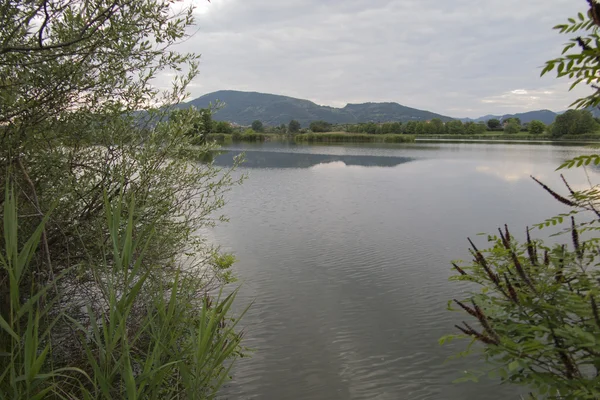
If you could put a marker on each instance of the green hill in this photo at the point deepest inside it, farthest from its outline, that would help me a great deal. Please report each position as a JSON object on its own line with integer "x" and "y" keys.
{"x": 244, "y": 107}
{"x": 546, "y": 116}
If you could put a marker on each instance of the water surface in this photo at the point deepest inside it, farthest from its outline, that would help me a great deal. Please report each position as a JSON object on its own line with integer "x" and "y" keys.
{"x": 345, "y": 251}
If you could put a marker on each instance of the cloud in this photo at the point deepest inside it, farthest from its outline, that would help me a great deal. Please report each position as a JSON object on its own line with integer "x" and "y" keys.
{"x": 509, "y": 172}
{"x": 460, "y": 58}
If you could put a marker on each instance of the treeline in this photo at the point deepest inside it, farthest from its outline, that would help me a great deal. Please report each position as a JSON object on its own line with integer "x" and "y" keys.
{"x": 572, "y": 122}
{"x": 434, "y": 127}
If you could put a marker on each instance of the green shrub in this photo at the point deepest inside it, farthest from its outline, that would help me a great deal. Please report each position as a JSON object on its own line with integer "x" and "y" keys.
{"x": 536, "y": 311}
{"x": 143, "y": 336}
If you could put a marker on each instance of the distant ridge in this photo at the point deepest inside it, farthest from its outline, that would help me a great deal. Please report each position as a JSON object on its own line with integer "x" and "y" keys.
{"x": 244, "y": 107}
{"x": 271, "y": 109}
{"x": 546, "y": 116}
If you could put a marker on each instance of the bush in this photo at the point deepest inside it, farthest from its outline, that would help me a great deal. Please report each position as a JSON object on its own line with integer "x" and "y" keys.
{"x": 537, "y": 309}
{"x": 574, "y": 122}
{"x": 536, "y": 127}
{"x": 84, "y": 130}
{"x": 142, "y": 337}
{"x": 294, "y": 126}
{"x": 320, "y": 126}
{"x": 512, "y": 128}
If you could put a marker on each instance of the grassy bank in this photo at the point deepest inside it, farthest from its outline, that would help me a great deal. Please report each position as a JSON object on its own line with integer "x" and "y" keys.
{"x": 521, "y": 136}
{"x": 226, "y": 138}
{"x": 342, "y": 137}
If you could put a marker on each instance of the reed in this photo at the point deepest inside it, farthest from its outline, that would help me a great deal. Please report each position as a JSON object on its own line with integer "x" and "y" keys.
{"x": 145, "y": 336}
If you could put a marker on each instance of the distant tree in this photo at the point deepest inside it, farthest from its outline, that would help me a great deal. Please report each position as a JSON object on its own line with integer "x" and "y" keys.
{"x": 494, "y": 124}
{"x": 371, "y": 128}
{"x": 536, "y": 127}
{"x": 410, "y": 127}
{"x": 473, "y": 128}
{"x": 397, "y": 127}
{"x": 515, "y": 120}
{"x": 320, "y": 126}
{"x": 420, "y": 128}
{"x": 428, "y": 128}
{"x": 455, "y": 127}
{"x": 437, "y": 127}
{"x": 294, "y": 126}
{"x": 512, "y": 127}
{"x": 258, "y": 126}
{"x": 222, "y": 127}
{"x": 574, "y": 122}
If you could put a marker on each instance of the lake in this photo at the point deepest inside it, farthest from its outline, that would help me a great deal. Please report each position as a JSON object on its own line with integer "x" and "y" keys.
{"x": 345, "y": 251}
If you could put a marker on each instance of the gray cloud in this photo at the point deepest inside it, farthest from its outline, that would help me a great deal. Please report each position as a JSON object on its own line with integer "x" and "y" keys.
{"x": 459, "y": 57}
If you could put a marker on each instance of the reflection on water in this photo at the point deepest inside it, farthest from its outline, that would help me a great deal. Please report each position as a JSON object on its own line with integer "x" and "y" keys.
{"x": 348, "y": 267}
{"x": 270, "y": 159}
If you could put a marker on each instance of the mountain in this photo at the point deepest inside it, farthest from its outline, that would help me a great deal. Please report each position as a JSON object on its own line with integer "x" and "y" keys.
{"x": 244, "y": 107}
{"x": 546, "y": 116}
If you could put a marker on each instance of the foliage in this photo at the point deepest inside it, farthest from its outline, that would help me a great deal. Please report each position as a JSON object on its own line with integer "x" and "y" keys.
{"x": 455, "y": 127}
{"x": 574, "y": 122}
{"x": 435, "y": 127}
{"x": 81, "y": 130}
{"x": 411, "y": 127}
{"x": 514, "y": 120}
{"x": 222, "y": 127}
{"x": 472, "y": 128}
{"x": 512, "y": 128}
{"x": 200, "y": 121}
{"x": 157, "y": 339}
{"x": 373, "y": 128}
{"x": 257, "y": 126}
{"x": 294, "y": 126}
{"x": 249, "y": 136}
{"x": 340, "y": 137}
{"x": 494, "y": 124}
{"x": 536, "y": 127}
{"x": 529, "y": 336}
{"x": 537, "y": 311}
{"x": 320, "y": 126}
{"x": 580, "y": 59}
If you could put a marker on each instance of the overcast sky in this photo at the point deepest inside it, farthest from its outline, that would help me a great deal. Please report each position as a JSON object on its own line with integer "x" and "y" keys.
{"x": 462, "y": 58}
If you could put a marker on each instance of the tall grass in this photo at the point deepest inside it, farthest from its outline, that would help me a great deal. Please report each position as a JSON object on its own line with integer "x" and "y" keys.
{"x": 146, "y": 337}
{"x": 342, "y": 137}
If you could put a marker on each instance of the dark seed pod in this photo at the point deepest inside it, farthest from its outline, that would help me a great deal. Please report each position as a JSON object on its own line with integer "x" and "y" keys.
{"x": 595, "y": 311}
{"x": 558, "y": 276}
{"x": 459, "y": 269}
{"x": 531, "y": 250}
{"x": 505, "y": 241}
{"x": 557, "y": 196}
{"x": 521, "y": 271}
{"x": 511, "y": 290}
{"x": 485, "y": 323}
{"x": 466, "y": 308}
{"x": 594, "y": 11}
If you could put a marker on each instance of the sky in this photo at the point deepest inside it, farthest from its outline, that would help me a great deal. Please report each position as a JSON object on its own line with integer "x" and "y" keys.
{"x": 461, "y": 58}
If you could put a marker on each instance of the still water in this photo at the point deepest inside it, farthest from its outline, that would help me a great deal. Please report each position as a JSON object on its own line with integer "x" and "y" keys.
{"x": 345, "y": 252}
